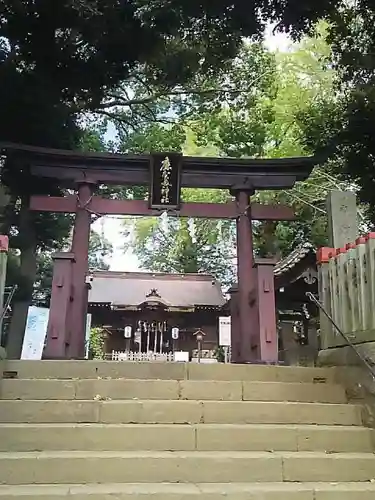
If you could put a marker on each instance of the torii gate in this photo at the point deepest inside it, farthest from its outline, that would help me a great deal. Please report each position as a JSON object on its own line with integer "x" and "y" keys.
{"x": 254, "y": 336}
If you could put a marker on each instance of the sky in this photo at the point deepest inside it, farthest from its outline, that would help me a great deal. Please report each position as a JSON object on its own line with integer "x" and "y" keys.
{"x": 112, "y": 226}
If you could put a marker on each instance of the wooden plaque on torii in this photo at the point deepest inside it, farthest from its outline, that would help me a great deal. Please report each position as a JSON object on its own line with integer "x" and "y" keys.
{"x": 83, "y": 172}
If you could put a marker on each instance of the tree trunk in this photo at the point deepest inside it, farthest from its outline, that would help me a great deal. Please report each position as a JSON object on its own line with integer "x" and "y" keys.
{"x": 28, "y": 268}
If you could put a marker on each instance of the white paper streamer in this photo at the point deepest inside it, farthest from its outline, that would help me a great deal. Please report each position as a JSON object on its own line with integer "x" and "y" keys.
{"x": 164, "y": 222}
{"x": 192, "y": 230}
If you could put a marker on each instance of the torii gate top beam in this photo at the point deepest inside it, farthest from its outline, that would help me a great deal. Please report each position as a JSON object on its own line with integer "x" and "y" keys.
{"x": 112, "y": 168}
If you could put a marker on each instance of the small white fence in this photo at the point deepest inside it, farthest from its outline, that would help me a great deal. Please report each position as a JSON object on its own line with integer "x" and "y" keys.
{"x": 141, "y": 356}
{"x": 168, "y": 357}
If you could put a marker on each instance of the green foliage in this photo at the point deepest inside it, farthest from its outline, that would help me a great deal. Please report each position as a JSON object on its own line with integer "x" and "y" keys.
{"x": 220, "y": 354}
{"x": 97, "y": 343}
{"x": 100, "y": 252}
{"x": 340, "y": 127}
{"x": 262, "y": 118}
{"x": 170, "y": 247}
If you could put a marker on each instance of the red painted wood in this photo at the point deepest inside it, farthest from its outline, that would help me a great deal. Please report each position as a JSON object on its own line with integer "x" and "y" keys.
{"x": 57, "y": 329}
{"x": 140, "y": 207}
{"x": 4, "y": 243}
{"x": 100, "y": 205}
{"x": 65, "y": 204}
{"x": 247, "y": 345}
{"x": 80, "y": 249}
{"x": 267, "y": 329}
{"x": 235, "y": 328}
{"x": 191, "y": 178}
{"x": 246, "y": 281}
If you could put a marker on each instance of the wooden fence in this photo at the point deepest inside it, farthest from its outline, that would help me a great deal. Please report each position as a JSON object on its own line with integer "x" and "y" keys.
{"x": 347, "y": 291}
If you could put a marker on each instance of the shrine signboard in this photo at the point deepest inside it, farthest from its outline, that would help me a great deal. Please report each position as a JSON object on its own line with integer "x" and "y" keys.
{"x": 165, "y": 181}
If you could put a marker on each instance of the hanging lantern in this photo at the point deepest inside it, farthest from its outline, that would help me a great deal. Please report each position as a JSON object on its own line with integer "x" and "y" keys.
{"x": 175, "y": 332}
{"x": 128, "y": 332}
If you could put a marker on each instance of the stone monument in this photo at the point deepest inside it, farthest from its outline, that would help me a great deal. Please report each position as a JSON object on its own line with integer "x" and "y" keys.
{"x": 342, "y": 218}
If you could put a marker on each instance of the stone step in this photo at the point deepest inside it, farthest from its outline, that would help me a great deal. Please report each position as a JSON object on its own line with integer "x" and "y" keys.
{"x": 171, "y": 389}
{"x": 165, "y": 371}
{"x": 175, "y": 412}
{"x": 200, "y": 437}
{"x": 205, "y": 491}
{"x": 183, "y": 467}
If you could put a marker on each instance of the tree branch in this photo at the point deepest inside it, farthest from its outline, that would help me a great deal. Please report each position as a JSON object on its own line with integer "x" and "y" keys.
{"x": 120, "y": 101}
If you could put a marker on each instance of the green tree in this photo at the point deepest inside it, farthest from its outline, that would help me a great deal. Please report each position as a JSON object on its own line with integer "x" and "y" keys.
{"x": 180, "y": 245}
{"x": 261, "y": 120}
{"x": 61, "y": 60}
{"x": 340, "y": 127}
{"x": 100, "y": 252}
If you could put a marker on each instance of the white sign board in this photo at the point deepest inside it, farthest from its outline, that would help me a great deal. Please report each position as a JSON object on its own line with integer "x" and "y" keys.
{"x": 225, "y": 331}
{"x": 35, "y": 333}
{"x": 87, "y": 337}
{"x": 181, "y": 356}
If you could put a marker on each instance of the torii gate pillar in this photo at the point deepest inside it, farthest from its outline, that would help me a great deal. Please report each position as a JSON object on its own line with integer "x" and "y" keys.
{"x": 80, "y": 250}
{"x": 68, "y": 310}
{"x": 247, "y": 313}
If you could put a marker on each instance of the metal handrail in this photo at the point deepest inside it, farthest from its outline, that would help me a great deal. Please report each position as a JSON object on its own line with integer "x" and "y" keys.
{"x": 7, "y": 303}
{"x": 362, "y": 358}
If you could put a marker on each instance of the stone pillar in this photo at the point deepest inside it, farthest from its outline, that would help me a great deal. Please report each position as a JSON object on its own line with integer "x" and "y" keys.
{"x": 267, "y": 340}
{"x": 80, "y": 249}
{"x": 342, "y": 218}
{"x": 342, "y": 229}
{"x": 57, "y": 340}
{"x": 246, "y": 282}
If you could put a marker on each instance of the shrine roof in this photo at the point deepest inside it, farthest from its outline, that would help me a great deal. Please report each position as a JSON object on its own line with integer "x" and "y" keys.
{"x": 289, "y": 269}
{"x": 175, "y": 290}
{"x": 295, "y": 257}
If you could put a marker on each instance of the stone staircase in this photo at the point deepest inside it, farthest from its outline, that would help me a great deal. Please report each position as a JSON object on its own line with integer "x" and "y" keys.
{"x": 90, "y": 430}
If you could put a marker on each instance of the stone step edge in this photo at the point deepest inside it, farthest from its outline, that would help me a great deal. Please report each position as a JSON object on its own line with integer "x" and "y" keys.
{"x": 180, "y": 383}
{"x": 53, "y": 454}
{"x": 185, "y": 488}
{"x": 102, "y": 425}
{"x": 179, "y": 401}
{"x": 315, "y": 381}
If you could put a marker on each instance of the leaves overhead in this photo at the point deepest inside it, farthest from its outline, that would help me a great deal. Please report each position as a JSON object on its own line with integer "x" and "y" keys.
{"x": 265, "y": 119}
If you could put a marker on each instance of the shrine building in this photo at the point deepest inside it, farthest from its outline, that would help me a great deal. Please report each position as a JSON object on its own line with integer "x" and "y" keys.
{"x": 158, "y": 308}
